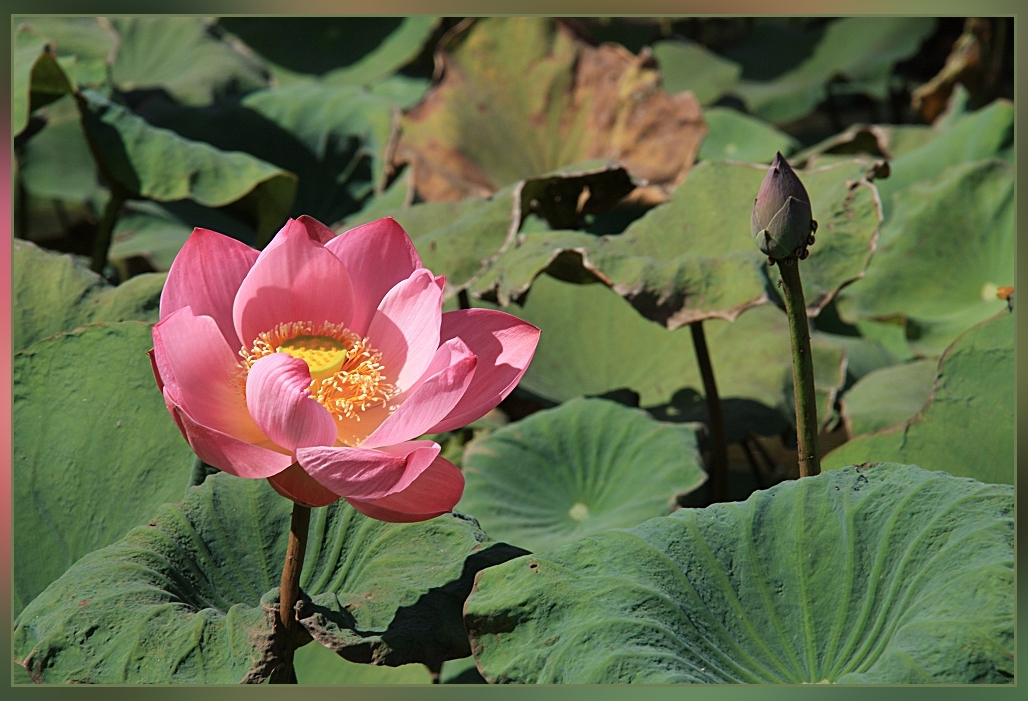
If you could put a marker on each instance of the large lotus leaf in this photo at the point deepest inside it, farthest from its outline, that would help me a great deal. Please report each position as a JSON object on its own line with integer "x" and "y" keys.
{"x": 693, "y": 258}
{"x": 183, "y": 57}
{"x": 584, "y": 467}
{"x": 462, "y": 239}
{"x": 942, "y": 255}
{"x": 861, "y": 50}
{"x": 987, "y": 133}
{"x": 967, "y": 426}
{"x": 199, "y": 583}
{"x": 875, "y": 574}
{"x": 157, "y": 164}
{"x": 95, "y": 452}
{"x": 523, "y": 96}
{"x": 318, "y": 665}
{"x": 85, "y": 37}
{"x": 148, "y": 231}
{"x": 56, "y": 163}
{"x": 54, "y": 293}
{"x": 887, "y": 396}
{"x": 343, "y": 50}
{"x": 593, "y": 342}
{"x": 734, "y": 136}
{"x": 38, "y": 79}
{"x": 326, "y": 118}
{"x": 687, "y": 65}
{"x": 881, "y": 140}
{"x": 863, "y": 355}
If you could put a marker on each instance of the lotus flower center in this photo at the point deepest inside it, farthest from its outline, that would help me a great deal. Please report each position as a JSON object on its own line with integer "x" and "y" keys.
{"x": 347, "y": 376}
{"x": 324, "y": 355}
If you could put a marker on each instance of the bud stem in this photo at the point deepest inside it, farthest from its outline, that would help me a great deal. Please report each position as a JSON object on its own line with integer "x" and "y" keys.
{"x": 718, "y": 440}
{"x": 802, "y": 369}
{"x": 289, "y": 591}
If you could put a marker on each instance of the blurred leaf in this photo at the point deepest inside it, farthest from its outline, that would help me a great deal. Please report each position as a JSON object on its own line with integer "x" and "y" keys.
{"x": 565, "y": 473}
{"x": 863, "y": 355}
{"x": 54, "y": 293}
{"x": 317, "y": 665}
{"x": 523, "y": 96}
{"x": 198, "y": 583}
{"x": 694, "y": 258}
{"x": 327, "y": 119}
{"x": 353, "y": 50}
{"x": 886, "y": 141}
{"x": 182, "y": 56}
{"x": 987, "y": 133}
{"x": 686, "y": 65}
{"x": 157, "y": 164}
{"x": 942, "y": 255}
{"x": 775, "y": 45}
{"x": 967, "y": 427}
{"x": 57, "y": 162}
{"x": 888, "y": 396}
{"x": 593, "y": 342}
{"x": 84, "y": 37}
{"x": 37, "y": 79}
{"x": 150, "y": 232}
{"x": 734, "y": 136}
{"x": 880, "y": 574}
{"x": 860, "y": 50}
{"x": 95, "y": 451}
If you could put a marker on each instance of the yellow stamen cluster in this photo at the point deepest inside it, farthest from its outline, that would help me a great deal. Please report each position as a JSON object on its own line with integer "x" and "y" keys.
{"x": 346, "y": 375}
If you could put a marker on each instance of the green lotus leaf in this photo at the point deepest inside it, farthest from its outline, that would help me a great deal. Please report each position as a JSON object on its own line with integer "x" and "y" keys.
{"x": 318, "y": 665}
{"x": 55, "y": 293}
{"x": 461, "y": 239}
{"x": 687, "y": 65}
{"x": 987, "y": 133}
{"x": 38, "y": 78}
{"x": 879, "y": 574}
{"x": 967, "y": 426}
{"x": 734, "y": 136}
{"x": 148, "y": 231}
{"x": 942, "y": 255}
{"x": 752, "y": 357}
{"x": 95, "y": 451}
{"x": 56, "y": 163}
{"x": 182, "y": 56}
{"x": 564, "y": 473}
{"x": 339, "y": 50}
{"x": 876, "y": 140}
{"x": 888, "y": 396}
{"x": 861, "y": 49}
{"x": 520, "y": 97}
{"x": 199, "y": 583}
{"x": 693, "y": 258}
{"x": 156, "y": 164}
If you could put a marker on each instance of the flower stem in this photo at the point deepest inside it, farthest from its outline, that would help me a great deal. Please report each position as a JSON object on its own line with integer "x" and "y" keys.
{"x": 802, "y": 369}
{"x": 289, "y": 591}
{"x": 718, "y": 440}
{"x": 104, "y": 230}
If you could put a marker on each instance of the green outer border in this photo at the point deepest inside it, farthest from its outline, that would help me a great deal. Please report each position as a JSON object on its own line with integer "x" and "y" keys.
{"x": 519, "y": 7}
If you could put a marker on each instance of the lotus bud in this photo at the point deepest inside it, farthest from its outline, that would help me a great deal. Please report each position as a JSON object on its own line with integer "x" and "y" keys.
{"x": 781, "y": 223}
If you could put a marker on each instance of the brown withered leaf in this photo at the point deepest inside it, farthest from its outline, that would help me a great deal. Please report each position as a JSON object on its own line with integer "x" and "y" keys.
{"x": 519, "y": 97}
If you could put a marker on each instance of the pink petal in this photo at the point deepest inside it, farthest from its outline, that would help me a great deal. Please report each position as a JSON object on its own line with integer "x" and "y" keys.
{"x": 278, "y": 397}
{"x": 205, "y": 275}
{"x": 432, "y": 399}
{"x": 368, "y": 474}
{"x": 202, "y": 374}
{"x": 504, "y": 345}
{"x": 316, "y": 230}
{"x": 406, "y": 327}
{"x": 378, "y": 256}
{"x": 293, "y": 483}
{"x": 295, "y": 279}
{"x": 435, "y": 491}
{"x": 226, "y": 453}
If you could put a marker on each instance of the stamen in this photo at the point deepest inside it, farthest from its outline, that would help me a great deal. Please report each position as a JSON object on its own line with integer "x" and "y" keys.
{"x": 347, "y": 376}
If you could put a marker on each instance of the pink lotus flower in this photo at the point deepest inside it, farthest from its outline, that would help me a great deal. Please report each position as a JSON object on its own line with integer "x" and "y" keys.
{"x": 315, "y": 362}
